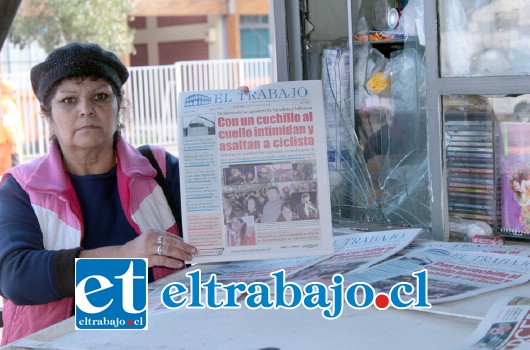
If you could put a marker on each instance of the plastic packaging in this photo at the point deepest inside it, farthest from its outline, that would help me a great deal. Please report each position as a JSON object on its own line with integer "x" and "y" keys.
{"x": 464, "y": 230}
{"x": 376, "y": 81}
{"x": 498, "y": 240}
{"x": 412, "y": 20}
{"x": 378, "y": 84}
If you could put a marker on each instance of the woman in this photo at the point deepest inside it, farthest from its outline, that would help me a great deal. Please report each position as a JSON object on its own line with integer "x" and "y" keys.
{"x": 238, "y": 234}
{"x": 92, "y": 196}
{"x": 253, "y": 208}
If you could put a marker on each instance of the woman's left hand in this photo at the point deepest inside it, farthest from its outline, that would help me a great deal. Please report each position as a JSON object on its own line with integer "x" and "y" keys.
{"x": 169, "y": 249}
{"x": 159, "y": 247}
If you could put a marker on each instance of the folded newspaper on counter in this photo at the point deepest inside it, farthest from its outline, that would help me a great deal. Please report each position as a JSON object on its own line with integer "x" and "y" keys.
{"x": 254, "y": 174}
{"x": 354, "y": 251}
{"x": 487, "y": 248}
{"x": 260, "y": 270}
{"x": 452, "y": 274}
{"x": 506, "y": 326}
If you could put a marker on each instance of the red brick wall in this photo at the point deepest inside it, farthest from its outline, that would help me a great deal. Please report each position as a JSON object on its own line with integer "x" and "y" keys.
{"x": 141, "y": 57}
{"x": 169, "y": 21}
{"x": 175, "y": 51}
{"x": 138, "y": 23}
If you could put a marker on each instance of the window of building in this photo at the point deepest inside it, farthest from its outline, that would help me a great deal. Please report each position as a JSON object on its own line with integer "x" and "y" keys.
{"x": 255, "y": 38}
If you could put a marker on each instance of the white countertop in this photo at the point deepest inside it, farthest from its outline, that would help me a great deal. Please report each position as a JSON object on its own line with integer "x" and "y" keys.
{"x": 284, "y": 329}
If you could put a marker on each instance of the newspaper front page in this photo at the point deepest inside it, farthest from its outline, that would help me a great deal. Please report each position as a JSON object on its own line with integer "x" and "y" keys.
{"x": 506, "y": 326}
{"x": 452, "y": 274}
{"x": 355, "y": 252}
{"x": 254, "y": 175}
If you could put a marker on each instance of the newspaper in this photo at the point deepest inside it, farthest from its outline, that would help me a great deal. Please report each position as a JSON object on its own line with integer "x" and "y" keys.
{"x": 156, "y": 306}
{"x": 352, "y": 251}
{"x": 260, "y": 270}
{"x": 506, "y": 326}
{"x": 238, "y": 271}
{"x": 452, "y": 274}
{"x": 488, "y": 248}
{"x": 356, "y": 251}
{"x": 254, "y": 176}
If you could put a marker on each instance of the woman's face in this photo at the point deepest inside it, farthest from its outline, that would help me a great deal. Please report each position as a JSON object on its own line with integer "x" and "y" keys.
{"x": 287, "y": 213}
{"x": 237, "y": 224}
{"x": 84, "y": 114}
{"x": 251, "y": 204}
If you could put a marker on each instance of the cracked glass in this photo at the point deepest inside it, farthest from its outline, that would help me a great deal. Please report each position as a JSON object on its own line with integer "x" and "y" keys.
{"x": 376, "y": 127}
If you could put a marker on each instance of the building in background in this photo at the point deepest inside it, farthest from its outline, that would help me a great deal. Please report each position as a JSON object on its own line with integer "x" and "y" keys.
{"x": 222, "y": 36}
{"x": 169, "y": 31}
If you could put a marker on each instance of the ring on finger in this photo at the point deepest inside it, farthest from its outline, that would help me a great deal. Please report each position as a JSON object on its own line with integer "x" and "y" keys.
{"x": 159, "y": 250}
{"x": 159, "y": 240}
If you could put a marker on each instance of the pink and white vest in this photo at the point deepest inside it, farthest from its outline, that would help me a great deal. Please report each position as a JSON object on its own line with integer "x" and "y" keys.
{"x": 57, "y": 209}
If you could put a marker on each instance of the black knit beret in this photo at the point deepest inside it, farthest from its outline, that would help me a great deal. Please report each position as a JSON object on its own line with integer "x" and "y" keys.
{"x": 77, "y": 60}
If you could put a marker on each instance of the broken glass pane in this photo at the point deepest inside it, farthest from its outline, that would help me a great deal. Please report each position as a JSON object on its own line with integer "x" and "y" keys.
{"x": 377, "y": 151}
